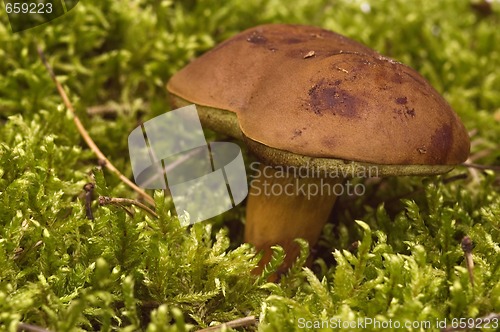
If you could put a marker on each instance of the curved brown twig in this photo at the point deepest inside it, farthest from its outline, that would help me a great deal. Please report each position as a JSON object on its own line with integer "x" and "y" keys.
{"x": 90, "y": 142}
{"x": 124, "y": 202}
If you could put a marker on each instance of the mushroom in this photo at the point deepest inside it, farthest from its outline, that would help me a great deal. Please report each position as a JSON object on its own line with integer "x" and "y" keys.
{"x": 305, "y": 98}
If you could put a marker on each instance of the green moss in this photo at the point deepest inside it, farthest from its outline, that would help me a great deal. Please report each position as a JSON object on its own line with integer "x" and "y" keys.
{"x": 401, "y": 261}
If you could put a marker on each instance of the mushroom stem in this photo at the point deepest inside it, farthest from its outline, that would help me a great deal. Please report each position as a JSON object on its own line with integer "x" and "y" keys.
{"x": 284, "y": 206}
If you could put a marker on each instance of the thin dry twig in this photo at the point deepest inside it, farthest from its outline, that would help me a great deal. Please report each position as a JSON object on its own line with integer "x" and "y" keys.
{"x": 240, "y": 322}
{"x": 83, "y": 132}
{"x": 112, "y": 109}
{"x": 124, "y": 202}
{"x": 30, "y": 328}
{"x": 102, "y": 110}
{"x": 20, "y": 252}
{"x": 479, "y": 166}
{"x": 88, "y": 188}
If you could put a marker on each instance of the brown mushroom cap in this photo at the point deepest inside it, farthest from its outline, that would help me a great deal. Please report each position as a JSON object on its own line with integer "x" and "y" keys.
{"x": 300, "y": 94}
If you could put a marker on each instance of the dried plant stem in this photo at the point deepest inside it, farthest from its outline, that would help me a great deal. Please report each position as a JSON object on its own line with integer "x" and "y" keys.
{"x": 89, "y": 188}
{"x": 245, "y": 321}
{"x": 479, "y": 166}
{"x": 83, "y": 132}
{"x": 30, "y": 328}
{"x": 123, "y": 202}
{"x": 469, "y": 262}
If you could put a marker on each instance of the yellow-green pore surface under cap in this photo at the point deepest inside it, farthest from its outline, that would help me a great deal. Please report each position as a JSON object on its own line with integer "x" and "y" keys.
{"x": 300, "y": 95}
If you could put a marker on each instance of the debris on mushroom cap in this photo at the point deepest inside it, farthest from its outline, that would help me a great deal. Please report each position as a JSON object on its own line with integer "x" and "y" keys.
{"x": 346, "y": 102}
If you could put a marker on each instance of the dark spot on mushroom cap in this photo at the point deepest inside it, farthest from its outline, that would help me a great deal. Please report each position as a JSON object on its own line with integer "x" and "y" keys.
{"x": 405, "y": 113}
{"x": 296, "y": 133}
{"x": 441, "y": 144}
{"x": 257, "y": 38}
{"x": 329, "y": 142}
{"x": 328, "y": 97}
{"x": 293, "y": 40}
{"x": 397, "y": 77}
{"x": 410, "y": 112}
{"x": 401, "y": 100}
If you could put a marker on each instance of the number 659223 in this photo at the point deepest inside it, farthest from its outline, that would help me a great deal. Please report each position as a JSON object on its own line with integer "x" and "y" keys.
{"x": 28, "y": 8}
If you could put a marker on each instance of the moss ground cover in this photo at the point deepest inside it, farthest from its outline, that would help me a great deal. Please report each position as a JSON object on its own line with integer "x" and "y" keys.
{"x": 393, "y": 254}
